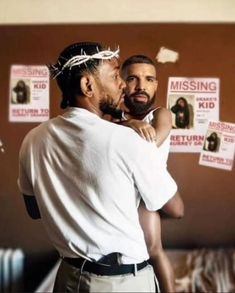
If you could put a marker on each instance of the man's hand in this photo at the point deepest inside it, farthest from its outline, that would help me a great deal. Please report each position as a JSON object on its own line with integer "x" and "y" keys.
{"x": 144, "y": 129}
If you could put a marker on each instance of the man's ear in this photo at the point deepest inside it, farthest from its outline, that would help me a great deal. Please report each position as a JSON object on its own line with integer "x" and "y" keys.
{"x": 86, "y": 84}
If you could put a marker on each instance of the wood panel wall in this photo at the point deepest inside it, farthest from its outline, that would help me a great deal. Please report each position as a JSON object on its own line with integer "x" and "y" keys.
{"x": 206, "y": 50}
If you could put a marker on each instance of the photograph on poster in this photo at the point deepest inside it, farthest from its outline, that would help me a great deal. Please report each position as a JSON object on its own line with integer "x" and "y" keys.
{"x": 212, "y": 141}
{"x": 182, "y": 110}
{"x": 219, "y": 146}
{"x": 29, "y": 93}
{"x": 20, "y": 93}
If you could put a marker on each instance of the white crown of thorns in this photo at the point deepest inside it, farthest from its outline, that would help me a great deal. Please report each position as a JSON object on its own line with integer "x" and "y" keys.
{"x": 77, "y": 60}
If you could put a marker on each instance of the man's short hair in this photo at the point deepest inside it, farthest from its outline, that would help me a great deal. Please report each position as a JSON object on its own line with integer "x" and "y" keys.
{"x": 69, "y": 78}
{"x": 137, "y": 59}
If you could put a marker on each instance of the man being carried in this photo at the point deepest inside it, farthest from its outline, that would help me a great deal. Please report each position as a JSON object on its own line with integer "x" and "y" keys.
{"x": 139, "y": 73}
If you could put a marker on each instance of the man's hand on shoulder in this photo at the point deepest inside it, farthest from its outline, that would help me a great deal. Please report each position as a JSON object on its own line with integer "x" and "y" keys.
{"x": 144, "y": 129}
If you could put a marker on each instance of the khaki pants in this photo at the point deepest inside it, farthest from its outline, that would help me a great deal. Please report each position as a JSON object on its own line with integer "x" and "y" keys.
{"x": 70, "y": 279}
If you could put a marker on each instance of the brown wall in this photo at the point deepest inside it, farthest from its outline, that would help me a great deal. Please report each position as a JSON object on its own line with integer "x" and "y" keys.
{"x": 205, "y": 51}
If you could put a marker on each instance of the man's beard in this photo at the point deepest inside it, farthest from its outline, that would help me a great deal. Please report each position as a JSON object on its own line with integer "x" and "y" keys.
{"x": 111, "y": 109}
{"x": 139, "y": 108}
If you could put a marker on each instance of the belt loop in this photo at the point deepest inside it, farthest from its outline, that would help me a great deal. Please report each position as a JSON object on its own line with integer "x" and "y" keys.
{"x": 157, "y": 284}
{"x": 81, "y": 271}
{"x": 135, "y": 269}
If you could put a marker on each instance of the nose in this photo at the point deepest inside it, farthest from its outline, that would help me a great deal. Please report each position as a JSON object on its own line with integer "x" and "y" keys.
{"x": 140, "y": 85}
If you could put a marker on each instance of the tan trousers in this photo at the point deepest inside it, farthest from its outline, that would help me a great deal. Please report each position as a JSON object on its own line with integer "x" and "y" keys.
{"x": 70, "y": 279}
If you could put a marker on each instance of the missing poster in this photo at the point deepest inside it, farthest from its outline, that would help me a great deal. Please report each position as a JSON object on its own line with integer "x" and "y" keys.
{"x": 192, "y": 103}
{"x": 219, "y": 146}
{"x": 29, "y": 93}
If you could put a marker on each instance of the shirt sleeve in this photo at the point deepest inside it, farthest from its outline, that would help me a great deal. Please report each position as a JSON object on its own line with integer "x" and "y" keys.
{"x": 152, "y": 179}
{"x": 23, "y": 181}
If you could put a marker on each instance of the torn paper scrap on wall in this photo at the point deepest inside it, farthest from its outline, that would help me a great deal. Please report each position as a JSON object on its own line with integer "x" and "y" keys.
{"x": 167, "y": 55}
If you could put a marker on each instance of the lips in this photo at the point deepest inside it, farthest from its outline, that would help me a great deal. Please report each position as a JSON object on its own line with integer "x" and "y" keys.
{"x": 140, "y": 98}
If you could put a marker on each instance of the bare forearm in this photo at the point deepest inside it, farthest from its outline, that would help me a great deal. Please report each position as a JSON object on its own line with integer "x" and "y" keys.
{"x": 164, "y": 271}
{"x": 151, "y": 225}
